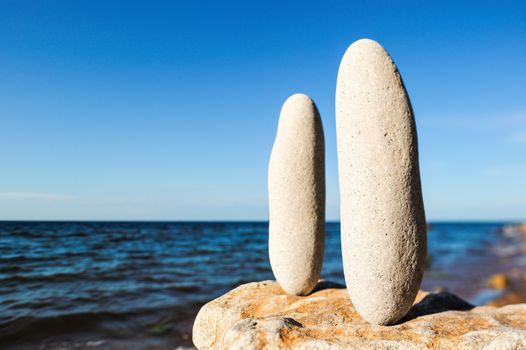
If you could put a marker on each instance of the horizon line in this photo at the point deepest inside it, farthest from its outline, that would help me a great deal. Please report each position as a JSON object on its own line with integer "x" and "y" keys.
{"x": 437, "y": 221}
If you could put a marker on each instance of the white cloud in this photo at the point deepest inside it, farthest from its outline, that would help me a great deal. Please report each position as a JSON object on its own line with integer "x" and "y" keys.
{"x": 508, "y": 127}
{"x": 485, "y": 122}
{"x": 33, "y": 196}
{"x": 503, "y": 169}
{"x": 436, "y": 165}
{"x": 518, "y": 138}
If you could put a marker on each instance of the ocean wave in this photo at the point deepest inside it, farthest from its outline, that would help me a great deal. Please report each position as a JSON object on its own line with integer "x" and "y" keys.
{"x": 107, "y": 281}
{"x": 108, "y": 324}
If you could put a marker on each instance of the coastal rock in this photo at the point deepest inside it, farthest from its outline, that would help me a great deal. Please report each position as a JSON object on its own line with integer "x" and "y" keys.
{"x": 260, "y": 315}
{"x": 383, "y": 223}
{"x": 296, "y": 185}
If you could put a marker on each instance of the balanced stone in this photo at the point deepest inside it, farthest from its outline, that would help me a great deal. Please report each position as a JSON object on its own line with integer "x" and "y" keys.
{"x": 296, "y": 186}
{"x": 383, "y": 225}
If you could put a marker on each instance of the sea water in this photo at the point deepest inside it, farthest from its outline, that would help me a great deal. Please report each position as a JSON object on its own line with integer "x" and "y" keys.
{"x": 139, "y": 285}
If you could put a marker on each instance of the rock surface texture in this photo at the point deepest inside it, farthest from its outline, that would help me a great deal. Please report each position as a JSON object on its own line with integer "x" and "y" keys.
{"x": 261, "y": 315}
{"x": 382, "y": 213}
{"x": 296, "y": 185}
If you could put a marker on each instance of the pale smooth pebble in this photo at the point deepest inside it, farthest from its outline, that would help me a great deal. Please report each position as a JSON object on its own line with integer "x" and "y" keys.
{"x": 296, "y": 186}
{"x": 383, "y": 227}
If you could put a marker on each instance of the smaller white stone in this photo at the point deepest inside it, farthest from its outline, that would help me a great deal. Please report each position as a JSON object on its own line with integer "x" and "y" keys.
{"x": 296, "y": 185}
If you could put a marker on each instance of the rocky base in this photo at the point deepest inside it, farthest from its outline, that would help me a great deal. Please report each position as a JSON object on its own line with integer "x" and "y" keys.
{"x": 260, "y": 315}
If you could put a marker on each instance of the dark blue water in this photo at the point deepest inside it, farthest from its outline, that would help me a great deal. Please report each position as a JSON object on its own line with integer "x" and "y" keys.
{"x": 139, "y": 285}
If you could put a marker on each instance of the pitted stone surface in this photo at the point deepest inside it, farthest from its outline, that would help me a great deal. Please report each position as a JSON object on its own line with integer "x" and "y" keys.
{"x": 296, "y": 185}
{"x": 382, "y": 213}
{"x": 260, "y": 315}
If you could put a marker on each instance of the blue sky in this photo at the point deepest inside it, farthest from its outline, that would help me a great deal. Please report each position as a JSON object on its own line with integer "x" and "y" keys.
{"x": 150, "y": 110}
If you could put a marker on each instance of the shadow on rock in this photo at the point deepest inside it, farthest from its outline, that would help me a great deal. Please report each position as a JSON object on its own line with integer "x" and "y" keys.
{"x": 322, "y": 284}
{"x": 436, "y": 302}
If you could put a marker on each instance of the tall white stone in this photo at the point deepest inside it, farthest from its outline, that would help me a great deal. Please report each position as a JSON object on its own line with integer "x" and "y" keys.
{"x": 296, "y": 186}
{"x": 383, "y": 224}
